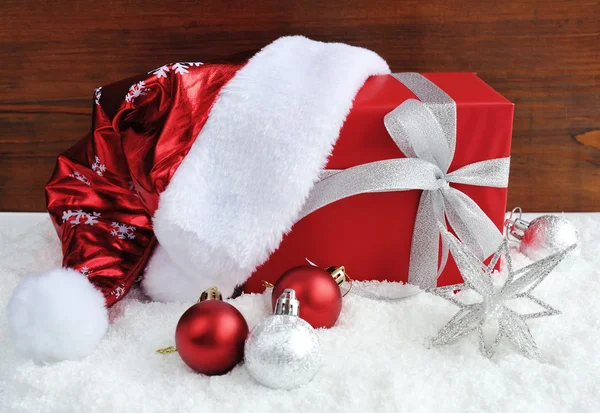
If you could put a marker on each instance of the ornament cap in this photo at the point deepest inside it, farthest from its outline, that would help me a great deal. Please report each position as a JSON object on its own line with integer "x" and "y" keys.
{"x": 211, "y": 293}
{"x": 517, "y": 227}
{"x": 287, "y": 303}
{"x": 338, "y": 274}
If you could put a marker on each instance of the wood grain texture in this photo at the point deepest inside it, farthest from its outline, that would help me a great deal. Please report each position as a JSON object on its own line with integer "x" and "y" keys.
{"x": 542, "y": 55}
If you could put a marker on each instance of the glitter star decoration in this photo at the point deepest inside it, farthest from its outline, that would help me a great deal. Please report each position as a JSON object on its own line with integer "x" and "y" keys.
{"x": 491, "y": 312}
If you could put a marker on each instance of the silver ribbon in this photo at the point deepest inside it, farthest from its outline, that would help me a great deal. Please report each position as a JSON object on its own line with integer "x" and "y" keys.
{"x": 425, "y": 131}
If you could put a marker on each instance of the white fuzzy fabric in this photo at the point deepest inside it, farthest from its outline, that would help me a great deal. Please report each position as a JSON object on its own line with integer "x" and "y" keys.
{"x": 166, "y": 281}
{"x": 268, "y": 136}
{"x": 56, "y": 315}
{"x": 374, "y": 360}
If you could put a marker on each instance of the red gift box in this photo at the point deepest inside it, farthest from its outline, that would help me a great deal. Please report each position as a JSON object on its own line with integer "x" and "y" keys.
{"x": 371, "y": 234}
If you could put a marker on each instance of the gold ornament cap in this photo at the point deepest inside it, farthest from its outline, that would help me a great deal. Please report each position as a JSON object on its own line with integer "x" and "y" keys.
{"x": 211, "y": 293}
{"x": 338, "y": 274}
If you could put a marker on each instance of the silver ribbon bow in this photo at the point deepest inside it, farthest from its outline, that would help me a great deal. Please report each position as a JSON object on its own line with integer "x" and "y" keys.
{"x": 425, "y": 131}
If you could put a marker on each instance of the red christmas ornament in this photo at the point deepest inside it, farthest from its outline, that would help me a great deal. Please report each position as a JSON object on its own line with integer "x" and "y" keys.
{"x": 317, "y": 291}
{"x": 210, "y": 335}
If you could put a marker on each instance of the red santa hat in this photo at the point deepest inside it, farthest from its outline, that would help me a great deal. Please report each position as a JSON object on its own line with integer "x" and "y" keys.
{"x": 213, "y": 162}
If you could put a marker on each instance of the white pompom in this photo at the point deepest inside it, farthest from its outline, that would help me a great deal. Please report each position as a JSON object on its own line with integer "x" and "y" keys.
{"x": 166, "y": 281}
{"x": 57, "y": 315}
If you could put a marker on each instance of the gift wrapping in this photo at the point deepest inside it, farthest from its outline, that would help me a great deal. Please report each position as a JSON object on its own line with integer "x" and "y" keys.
{"x": 448, "y": 134}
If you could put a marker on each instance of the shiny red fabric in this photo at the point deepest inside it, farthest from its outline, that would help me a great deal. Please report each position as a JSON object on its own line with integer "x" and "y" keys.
{"x": 105, "y": 189}
{"x": 371, "y": 234}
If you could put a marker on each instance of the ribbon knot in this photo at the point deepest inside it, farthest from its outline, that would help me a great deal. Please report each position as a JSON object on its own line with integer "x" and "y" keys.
{"x": 442, "y": 182}
{"x": 425, "y": 131}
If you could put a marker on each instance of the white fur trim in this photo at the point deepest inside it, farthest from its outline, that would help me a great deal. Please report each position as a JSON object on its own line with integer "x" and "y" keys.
{"x": 251, "y": 168}
{"x": 166, "y": 281}
{"x": 57, "y": 315}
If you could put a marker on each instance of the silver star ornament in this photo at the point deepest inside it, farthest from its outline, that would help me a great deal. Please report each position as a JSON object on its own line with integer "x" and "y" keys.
{"x": 491, "y": 312}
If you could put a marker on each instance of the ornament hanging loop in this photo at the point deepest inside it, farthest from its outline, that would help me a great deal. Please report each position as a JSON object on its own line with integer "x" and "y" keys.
{"x": 167, "y": 350}
{"x": 515, "y": 228}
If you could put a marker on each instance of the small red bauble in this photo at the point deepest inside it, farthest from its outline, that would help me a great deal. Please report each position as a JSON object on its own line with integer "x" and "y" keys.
{"x": 210, "y": 336}
{"x": 317, "y": 291}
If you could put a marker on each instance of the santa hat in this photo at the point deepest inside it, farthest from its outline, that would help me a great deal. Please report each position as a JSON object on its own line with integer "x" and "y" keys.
{"x": 211, "y": 161}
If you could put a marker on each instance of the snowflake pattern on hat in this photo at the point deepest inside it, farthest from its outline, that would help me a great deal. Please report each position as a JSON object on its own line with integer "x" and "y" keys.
{"x": 75, "y": 217}
{"x": 119, "y": 291}
{"x": 85, "y": 271}
{"x": 98, "y": 167}
{"x": 180, "y": 68}
{"x": 161, "y": 72}
{"x": 97, "y": 95}
{"x": 80, "y": 177}
{"x": 136, "y": 90}
{"x": 122, "y": 231}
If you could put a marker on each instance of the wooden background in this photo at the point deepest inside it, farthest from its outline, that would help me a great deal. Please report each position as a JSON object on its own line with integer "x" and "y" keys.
{"x": 544, "y": 55}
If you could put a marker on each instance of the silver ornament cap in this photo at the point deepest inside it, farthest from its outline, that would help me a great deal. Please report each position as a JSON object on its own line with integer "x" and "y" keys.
{"x": 282, "y": 351}
{"x": 287, "y": 303}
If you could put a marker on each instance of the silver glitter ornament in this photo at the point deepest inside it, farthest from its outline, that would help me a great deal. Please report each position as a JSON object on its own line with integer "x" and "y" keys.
{"x": 492, "y": 311}
{"x": 282, "y": 351}
{"x": 543, "y": 236}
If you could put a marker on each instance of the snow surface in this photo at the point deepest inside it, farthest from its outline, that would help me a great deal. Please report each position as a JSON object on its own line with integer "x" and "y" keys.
{"x": 375, "y": 359}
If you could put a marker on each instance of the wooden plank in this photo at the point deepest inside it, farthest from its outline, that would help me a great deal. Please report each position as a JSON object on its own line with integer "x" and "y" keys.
{"x": 542, "y": 55}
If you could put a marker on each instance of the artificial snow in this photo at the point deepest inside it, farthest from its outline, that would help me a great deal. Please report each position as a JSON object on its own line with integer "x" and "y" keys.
{"x": 376, "y": 358}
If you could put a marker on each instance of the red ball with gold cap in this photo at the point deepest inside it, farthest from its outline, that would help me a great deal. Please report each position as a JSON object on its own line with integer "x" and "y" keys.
{"x": 210, "y": 335}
